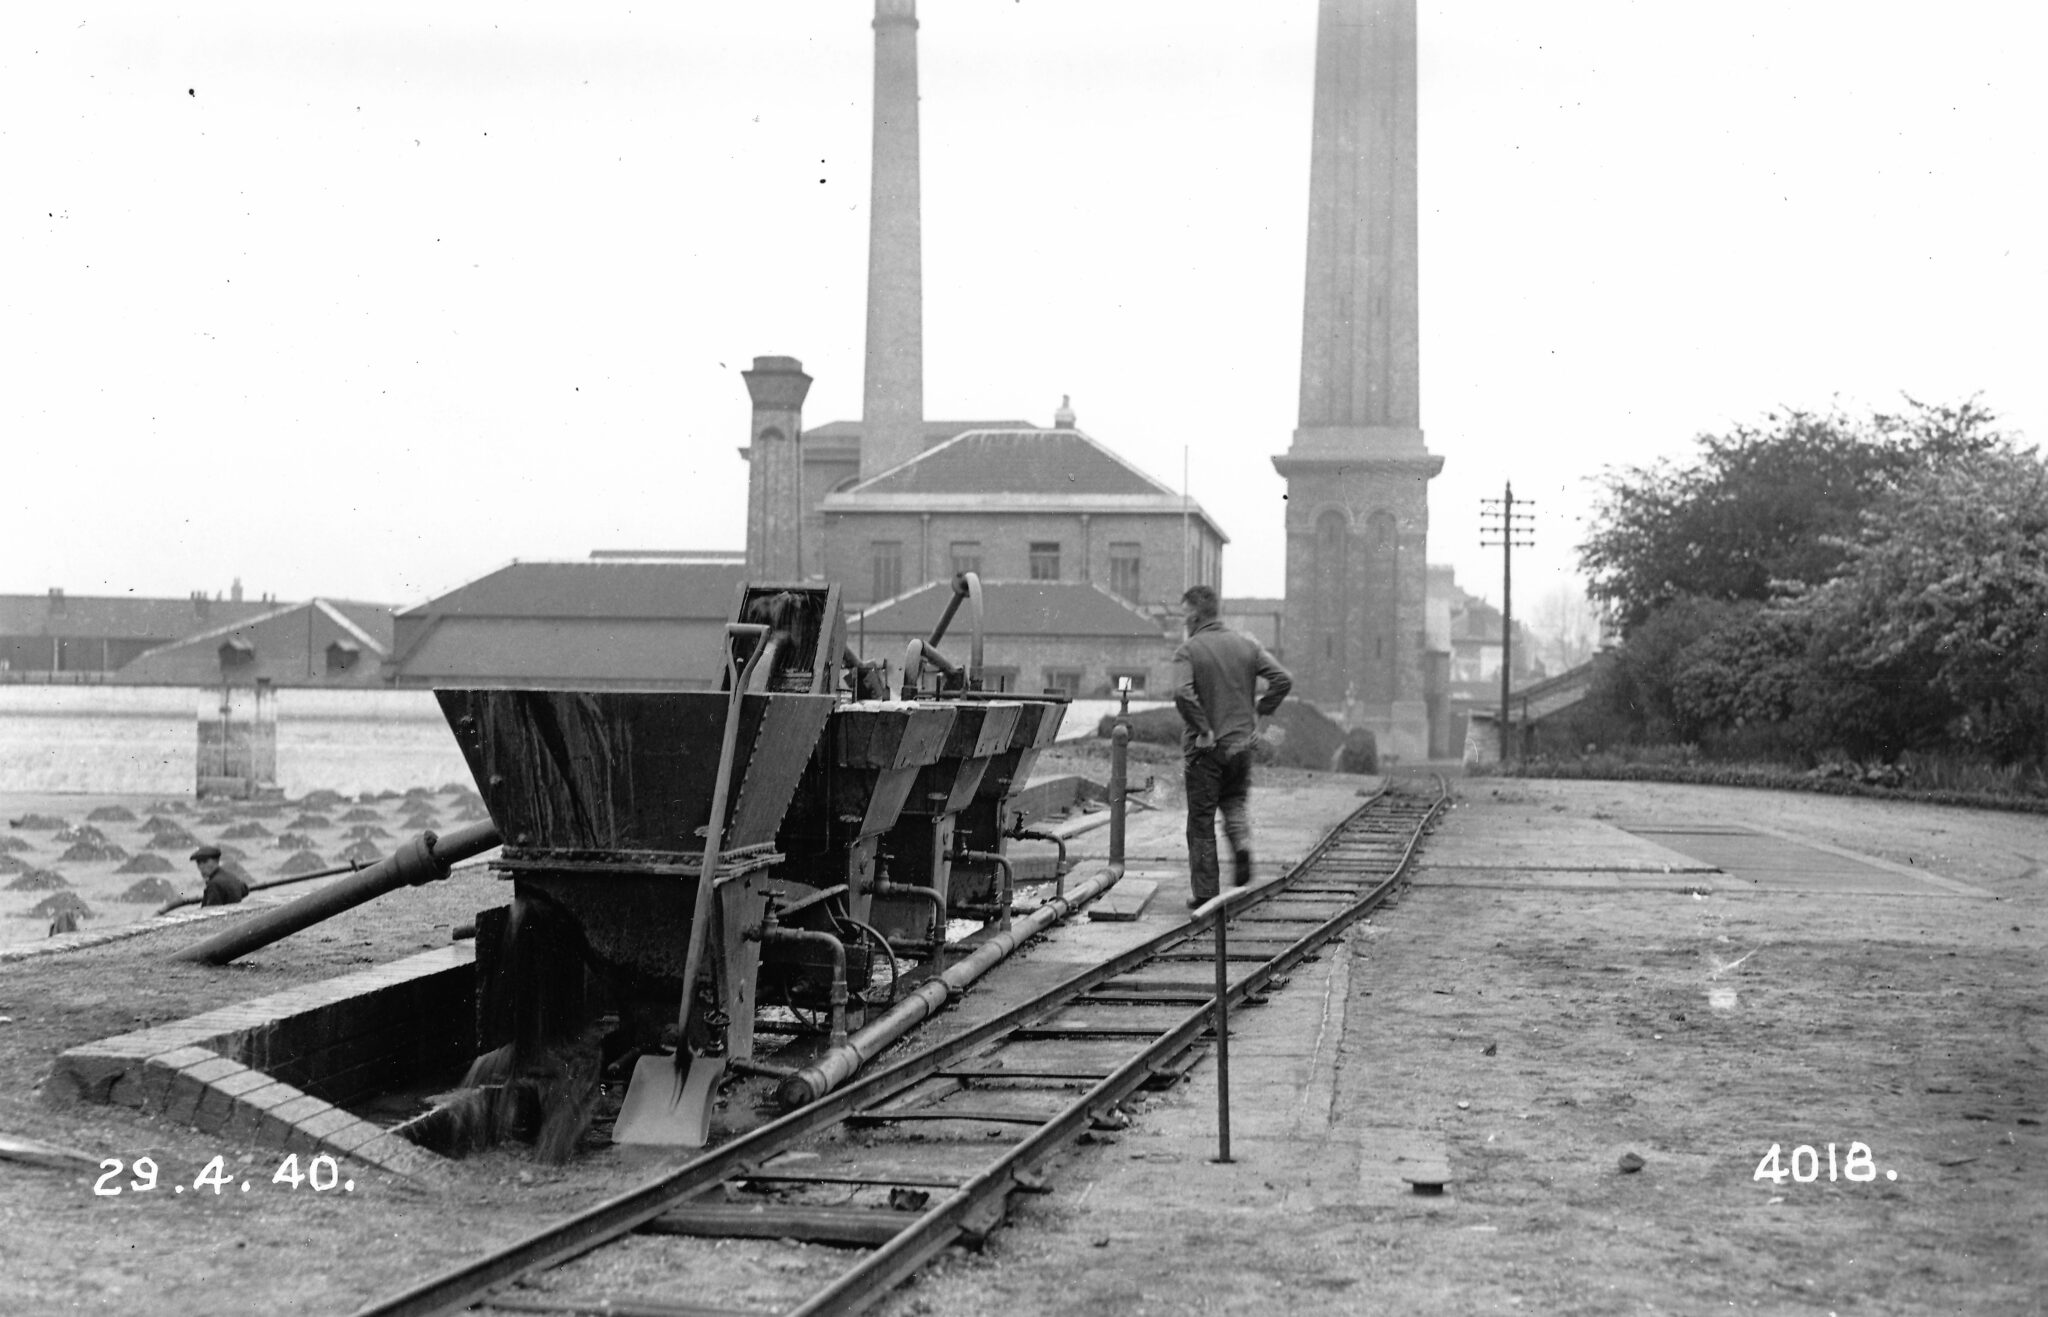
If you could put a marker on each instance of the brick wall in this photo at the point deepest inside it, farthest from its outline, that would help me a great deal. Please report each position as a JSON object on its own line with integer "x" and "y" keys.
{"x": 1005, "y": 541}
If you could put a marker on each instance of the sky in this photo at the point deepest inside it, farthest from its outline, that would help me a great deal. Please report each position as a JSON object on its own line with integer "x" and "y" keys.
{"x": 367, "y": 300}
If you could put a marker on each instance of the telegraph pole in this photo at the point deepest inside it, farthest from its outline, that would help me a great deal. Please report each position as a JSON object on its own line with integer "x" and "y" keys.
{"x": 1498, "y": 517}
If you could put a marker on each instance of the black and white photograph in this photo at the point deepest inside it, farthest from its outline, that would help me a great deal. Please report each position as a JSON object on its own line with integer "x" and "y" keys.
{"x": 952, "y": 658}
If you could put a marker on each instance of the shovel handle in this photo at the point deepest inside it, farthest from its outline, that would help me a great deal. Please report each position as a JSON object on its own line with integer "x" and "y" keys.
{"x": 736, "y": 673}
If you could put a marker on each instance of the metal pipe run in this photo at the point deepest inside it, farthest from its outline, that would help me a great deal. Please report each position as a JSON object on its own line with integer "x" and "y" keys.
{"x": 773, "y": 934}
{"x": 808, "y": 900}
{"x": 841, "y": 1063}
{"x": 265, "y": 886}
{"x": 424, "y": 859}
{"x": 1006, "y": 890}
{"x": 1059, "y": 869}
{"x": 887, "y": 887}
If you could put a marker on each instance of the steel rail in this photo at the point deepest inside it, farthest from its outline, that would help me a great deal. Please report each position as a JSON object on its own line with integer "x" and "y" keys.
{"x": 468, "y": 1284}
{"x": 882, "y": 1270}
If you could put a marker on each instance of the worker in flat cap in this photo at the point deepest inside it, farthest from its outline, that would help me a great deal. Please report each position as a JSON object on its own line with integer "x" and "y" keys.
{"x": 222, "y": 886}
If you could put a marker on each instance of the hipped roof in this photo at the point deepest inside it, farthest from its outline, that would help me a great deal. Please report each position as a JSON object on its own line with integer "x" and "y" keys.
{"x": 1039, "y": 609}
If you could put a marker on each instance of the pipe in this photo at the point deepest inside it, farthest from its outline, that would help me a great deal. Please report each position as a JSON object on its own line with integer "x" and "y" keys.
{"x": 1059, "y": 871}
{"x": 895, "y": 969}
{"x": 351, "y": 867}
{"x": 424, "y": 859}
{"x": 916, "y": 655}
{"x": 771, "y": 934}
{"x": 1007, "y": 890}
{"x": 960, "y": 591}
{"x": 884, "y": 887}
{"x": 806, "y": 902}
{"x": 839, "y": 1064}
{"x": 966, "y": 585}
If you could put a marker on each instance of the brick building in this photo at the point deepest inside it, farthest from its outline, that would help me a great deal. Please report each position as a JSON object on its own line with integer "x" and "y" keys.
{"x": 1019, "y": 504}
{"x": 42, "y": 636}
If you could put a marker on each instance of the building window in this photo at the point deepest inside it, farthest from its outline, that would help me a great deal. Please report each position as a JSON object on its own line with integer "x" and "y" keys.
{"x": 1000, "y": 680}
{"x": 1063, "y": 681}
{"x": 966, "y": 556}
{"x": 1209, "y": 563}
{"x": 1136, "y": 676}
{"x": 887, "y": 556}
{"x": 1045, "y": 560}
{"x": 1123, "y": 571}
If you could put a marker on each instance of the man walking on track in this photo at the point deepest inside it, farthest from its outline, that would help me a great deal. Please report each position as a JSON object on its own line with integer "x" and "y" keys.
{"x": 1216, "y": 675}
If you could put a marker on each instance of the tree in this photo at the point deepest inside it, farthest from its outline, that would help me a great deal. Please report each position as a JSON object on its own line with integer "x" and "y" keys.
{"x": 1942, "y": 602}
{"x": 1763, "y": 505}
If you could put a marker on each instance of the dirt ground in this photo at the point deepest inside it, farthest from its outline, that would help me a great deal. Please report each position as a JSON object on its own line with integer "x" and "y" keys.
{"x": 1528, "y": 1040}
{"x": 1525, "y": 1039}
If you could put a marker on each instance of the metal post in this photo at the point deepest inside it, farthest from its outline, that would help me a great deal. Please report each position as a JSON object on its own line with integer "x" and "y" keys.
{"x": 1511, "y": 525}
{"x": 1507, "y": 612}
{"x": 1119, "y": 753}
{"x": 1222, "y": 1037}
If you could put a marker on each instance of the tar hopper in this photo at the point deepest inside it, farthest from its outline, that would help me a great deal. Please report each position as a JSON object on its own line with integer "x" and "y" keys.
{"x": 772, "y": 843}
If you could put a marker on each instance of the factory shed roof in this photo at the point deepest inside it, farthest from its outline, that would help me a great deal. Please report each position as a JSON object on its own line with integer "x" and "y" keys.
{"x": 611, "y": 621}
{"x": 325, "y": 642}
{"x": 601, "y": 588}
{"x": 119, "y": 617}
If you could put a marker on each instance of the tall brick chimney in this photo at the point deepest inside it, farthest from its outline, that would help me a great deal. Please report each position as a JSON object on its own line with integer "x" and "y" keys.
{"x": 775, "y": 490}
{"x": 892, "y": 402}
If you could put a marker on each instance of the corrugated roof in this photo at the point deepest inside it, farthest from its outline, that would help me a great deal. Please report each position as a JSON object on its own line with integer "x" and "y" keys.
{"x": 613, "y": 588}
{"x": 1016, "y": 461}
{"x": 1014, "y": 608}
{"x": 119, "y": 617}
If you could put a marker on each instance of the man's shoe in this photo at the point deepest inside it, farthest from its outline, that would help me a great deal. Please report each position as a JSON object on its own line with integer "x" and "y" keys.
{"x": 1241, "y": 864}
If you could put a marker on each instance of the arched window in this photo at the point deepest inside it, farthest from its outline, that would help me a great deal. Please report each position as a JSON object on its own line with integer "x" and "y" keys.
{"x": 1329, "y": 603}
{"x": 1380, "y": 598}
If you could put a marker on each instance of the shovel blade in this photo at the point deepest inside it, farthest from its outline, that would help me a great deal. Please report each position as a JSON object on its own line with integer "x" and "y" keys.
{"x": 666, "y": 1107}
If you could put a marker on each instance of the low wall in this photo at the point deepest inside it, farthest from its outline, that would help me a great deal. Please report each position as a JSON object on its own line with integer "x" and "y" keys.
{"x": 143, "y": 740}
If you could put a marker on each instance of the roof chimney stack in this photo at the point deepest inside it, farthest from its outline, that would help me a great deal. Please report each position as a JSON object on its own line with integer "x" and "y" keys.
{"x": 775, "y": 491}
{"x": 1063, "y": 419}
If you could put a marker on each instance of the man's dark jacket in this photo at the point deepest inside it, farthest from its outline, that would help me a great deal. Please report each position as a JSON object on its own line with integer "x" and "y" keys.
{"x": 1216, "y": 683}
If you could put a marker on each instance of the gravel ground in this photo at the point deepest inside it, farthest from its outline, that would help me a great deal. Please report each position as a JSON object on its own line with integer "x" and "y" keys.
{"x": 1526, "y": 1038}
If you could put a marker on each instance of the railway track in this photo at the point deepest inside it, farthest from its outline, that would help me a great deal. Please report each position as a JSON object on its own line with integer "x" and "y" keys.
{"x": 901, "y": 1163}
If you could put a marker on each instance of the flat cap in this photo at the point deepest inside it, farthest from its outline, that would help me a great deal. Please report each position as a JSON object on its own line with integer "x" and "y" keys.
{"x": 206, "y": 853}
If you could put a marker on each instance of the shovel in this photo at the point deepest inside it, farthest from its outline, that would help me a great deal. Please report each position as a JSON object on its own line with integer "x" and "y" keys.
{"x": 668, "y": 1100}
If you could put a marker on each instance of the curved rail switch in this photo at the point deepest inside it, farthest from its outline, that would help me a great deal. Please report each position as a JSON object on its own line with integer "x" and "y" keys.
{"x": 424, "y": 859}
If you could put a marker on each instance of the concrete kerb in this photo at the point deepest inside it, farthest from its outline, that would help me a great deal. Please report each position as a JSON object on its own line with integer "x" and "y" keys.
{"x": 193, "y": 1071}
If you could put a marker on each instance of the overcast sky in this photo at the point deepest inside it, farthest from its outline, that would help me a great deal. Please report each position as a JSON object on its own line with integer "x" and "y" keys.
{"x": 366, "y": 300}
